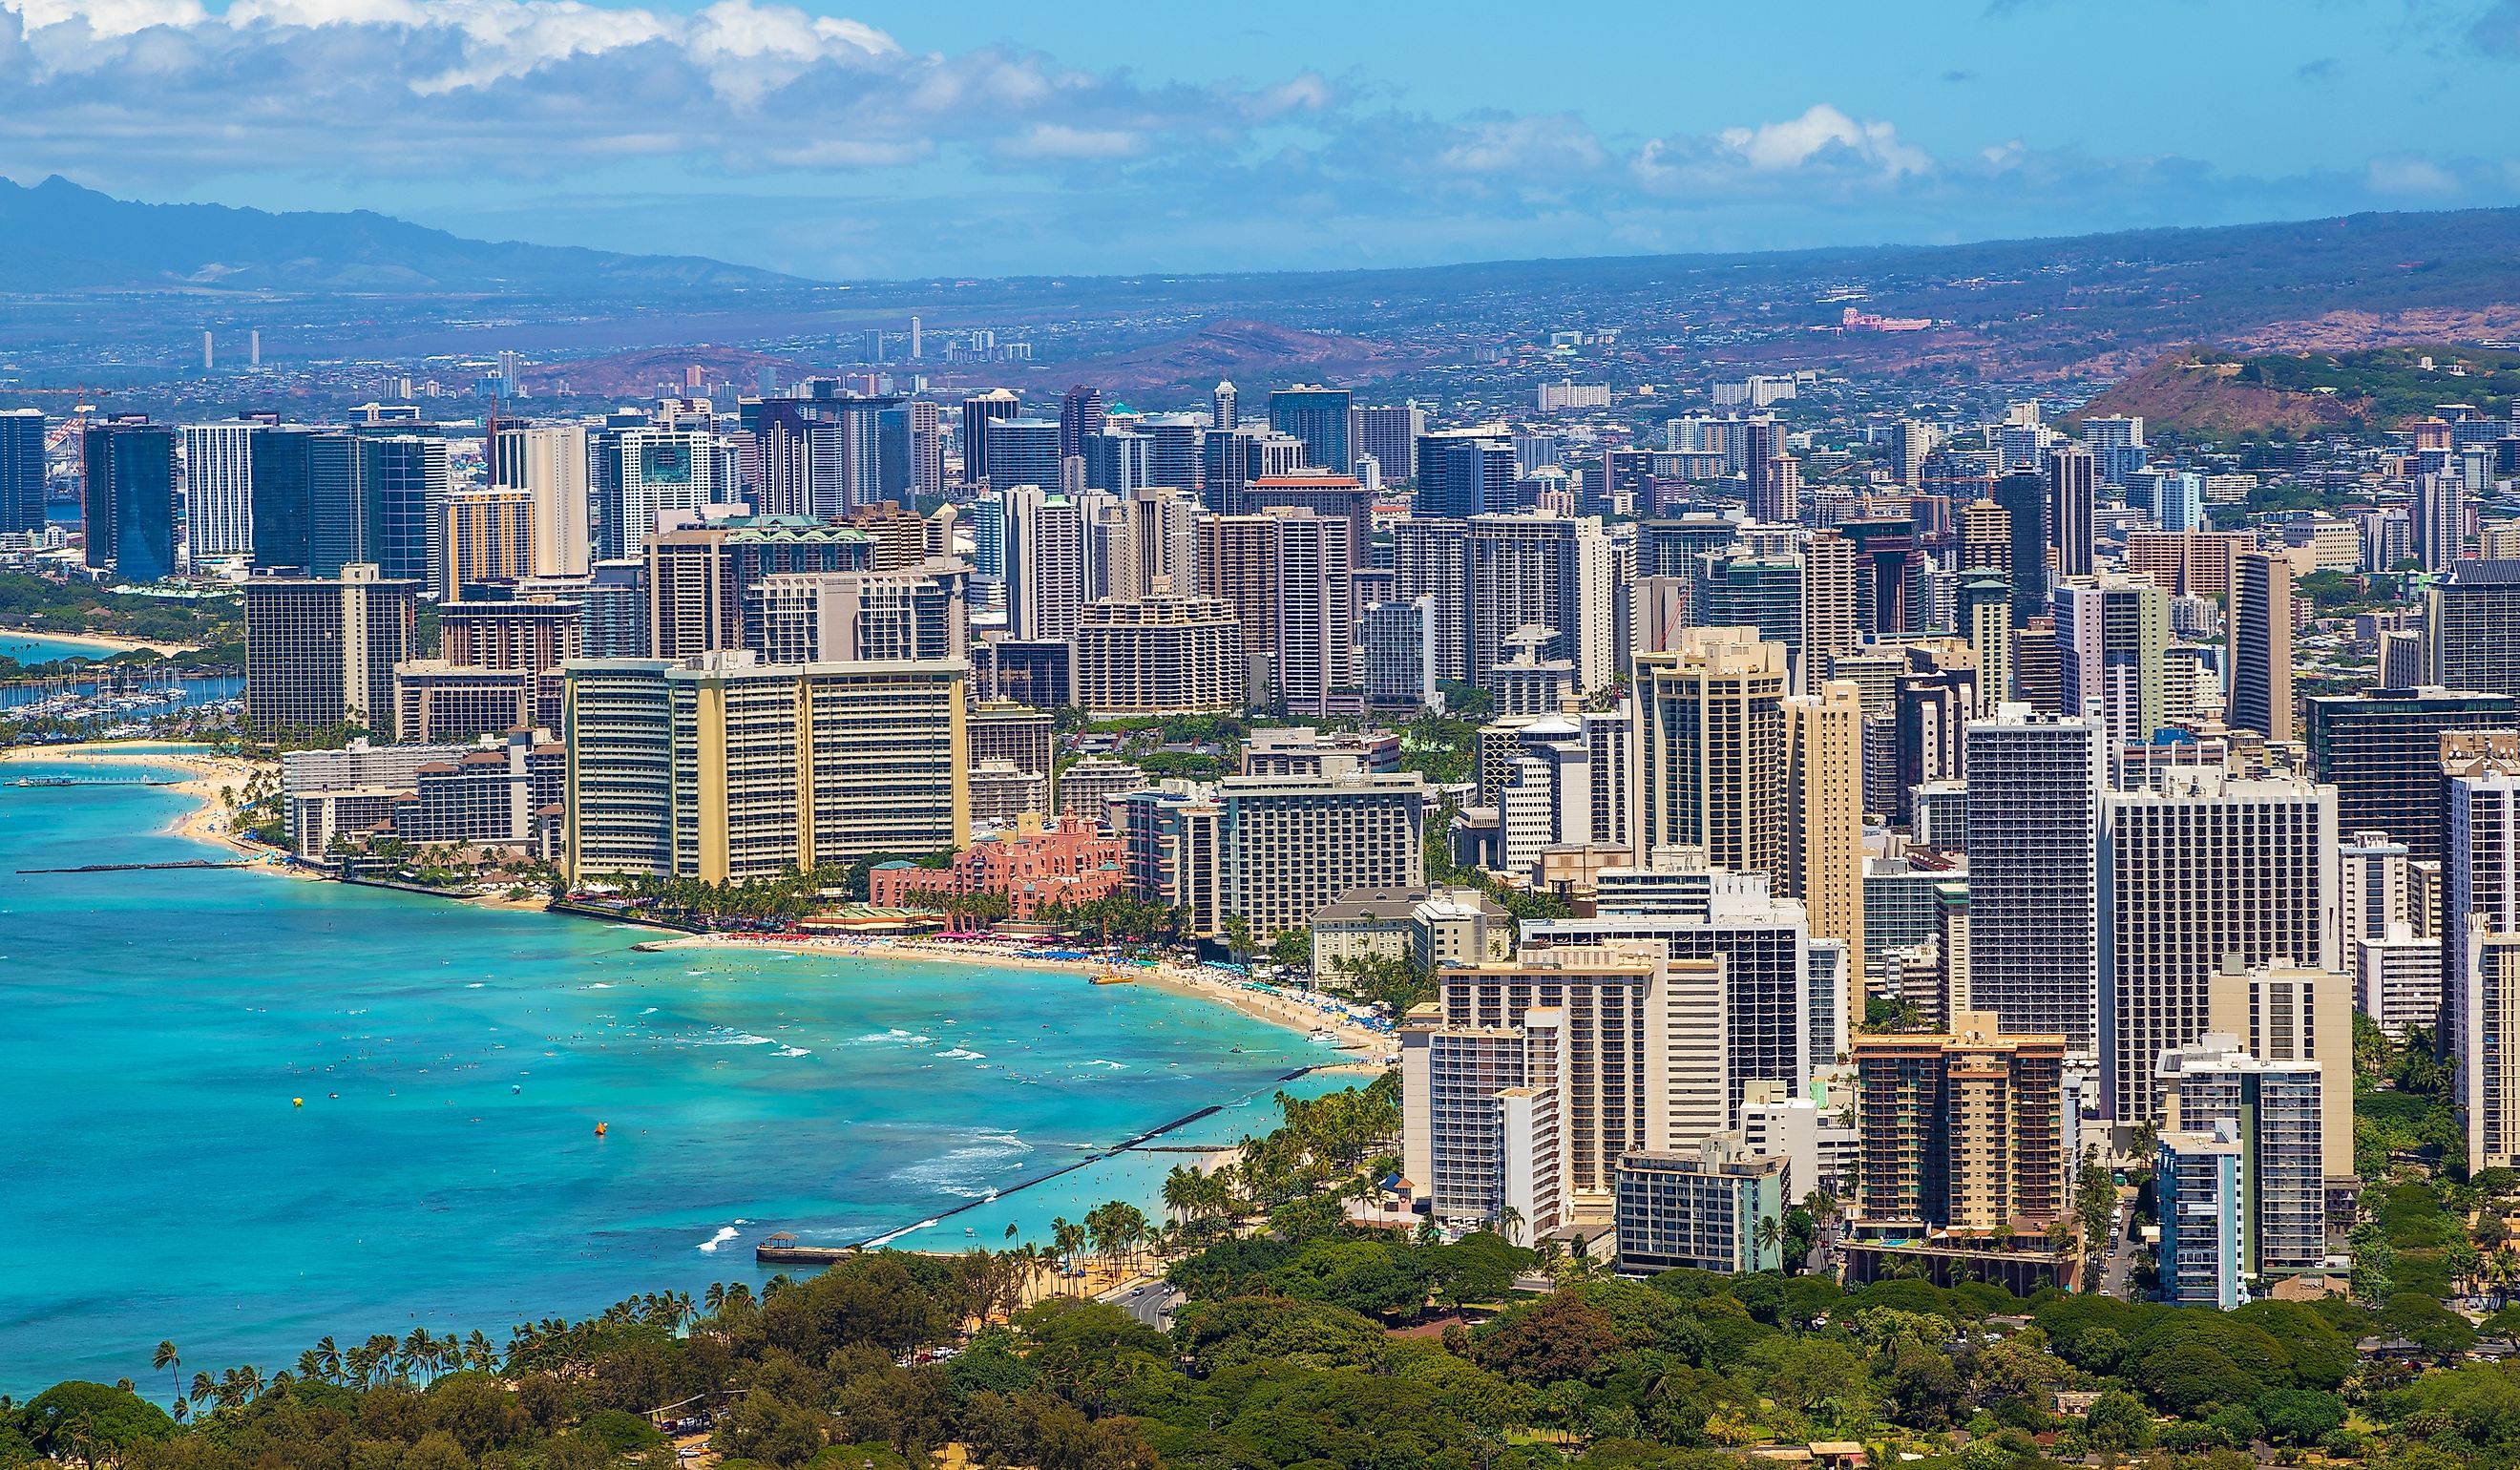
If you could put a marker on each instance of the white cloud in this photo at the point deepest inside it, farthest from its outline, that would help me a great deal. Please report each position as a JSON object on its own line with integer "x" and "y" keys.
{"x": 2419, "y": 178}
{"x": 1056, "y": 139}
{"x": 1821, "y": 132}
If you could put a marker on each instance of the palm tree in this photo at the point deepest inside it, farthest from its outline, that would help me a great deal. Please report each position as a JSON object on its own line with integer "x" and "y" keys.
{"x": 166, "y": 1360}
{"x": 332, "y": 1356}
{"x": 1766, "y": 1235}
{"x": 1508, "y": 1223}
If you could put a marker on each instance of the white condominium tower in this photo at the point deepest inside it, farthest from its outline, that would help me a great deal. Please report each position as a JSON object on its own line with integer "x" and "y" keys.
{"x": 2205, "y": 868}
{"x": 2033, "y": 809}
{"x": 218, "y": 488}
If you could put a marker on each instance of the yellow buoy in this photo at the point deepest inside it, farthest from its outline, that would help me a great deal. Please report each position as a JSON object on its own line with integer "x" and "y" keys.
{"x": 296, "y": 1102}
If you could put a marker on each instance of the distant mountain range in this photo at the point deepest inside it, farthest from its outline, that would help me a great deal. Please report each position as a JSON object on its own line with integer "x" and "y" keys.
{"x": 63, "y": 238}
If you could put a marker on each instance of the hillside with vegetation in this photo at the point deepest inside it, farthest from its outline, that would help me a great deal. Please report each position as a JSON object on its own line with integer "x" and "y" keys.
{"x": 2296, "y": 395}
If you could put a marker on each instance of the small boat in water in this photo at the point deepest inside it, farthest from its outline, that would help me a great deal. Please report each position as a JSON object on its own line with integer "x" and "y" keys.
{"x": 1113, "y": 975}
{"x": 1323, "y": 1035}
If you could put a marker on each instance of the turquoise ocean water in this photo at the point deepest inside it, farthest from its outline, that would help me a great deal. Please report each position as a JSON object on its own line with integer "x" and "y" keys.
{"x": 443, "y": 1170}
{"x": 27, "y": 649}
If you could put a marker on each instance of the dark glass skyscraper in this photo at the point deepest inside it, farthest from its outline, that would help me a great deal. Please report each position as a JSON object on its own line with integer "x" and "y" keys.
{"x": 1080, "y": 417}
{"x": 403, "y": 481}
{"x": 130, "y": 500}
{"x": 22, "y": 472}
{"x": 337, "y": 512}
{"x": 283, "y": 517}
{"x": 1319, "y": 417}
{"x": 2024, "y": 498}
{"x": 1462, "y": 476}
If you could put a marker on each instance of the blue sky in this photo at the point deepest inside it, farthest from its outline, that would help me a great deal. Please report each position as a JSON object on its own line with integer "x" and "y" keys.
{"x": 985, "y": 139}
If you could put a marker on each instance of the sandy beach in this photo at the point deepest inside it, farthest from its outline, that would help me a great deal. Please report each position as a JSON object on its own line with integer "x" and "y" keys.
{"x": 1368, "y": 1048}
{"x": 106, "y": 640}
{"x": 210, "y": 781}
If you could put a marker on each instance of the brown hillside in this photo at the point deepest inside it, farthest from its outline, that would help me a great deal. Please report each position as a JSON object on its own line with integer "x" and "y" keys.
{"x": 2187, "y": 392}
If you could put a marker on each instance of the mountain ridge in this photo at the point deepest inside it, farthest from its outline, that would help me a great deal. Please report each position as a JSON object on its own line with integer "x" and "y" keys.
{"x": 70, "y": 239}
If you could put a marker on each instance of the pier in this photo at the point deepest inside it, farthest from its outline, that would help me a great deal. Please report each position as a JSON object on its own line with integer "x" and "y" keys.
{"x": 782, "y": 1249}
{"x": 188, "y": 865}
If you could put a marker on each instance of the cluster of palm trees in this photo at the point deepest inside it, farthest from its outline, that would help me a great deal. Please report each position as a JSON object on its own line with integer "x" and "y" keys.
{"x": 559, "y": 1345}
{"x": 1327, "y": 1143}
{"x": 382, "y": 1359}
{"x": 781, "y": 899}
{"x": 1112, "y": 1233}
{"x": 1140, "y": 920}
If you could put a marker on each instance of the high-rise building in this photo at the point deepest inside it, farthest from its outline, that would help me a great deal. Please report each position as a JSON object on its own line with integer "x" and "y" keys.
{"x": 2372, "y": 889}
{"x": 1825, "y": 820}
{"x": 1230, "y": 462}
{"x": 1222, "y": 415}
{"x": 404, "y": 481}
{"x": 1430, "y": 558}
{"x": 2294, "y": 1013}
{"x": 1986, "y": 539}
{"x": 978, "y": 411}
{"x": 1238, "y": 561}
{"x": 1081, "y": 416}
{"x": 2034, "y": 809}
{"x": 130, "y": 500}
{"x": 721, "y": 768}
{"x": 1337, "y": 497}
{"x": 1711, "y": 750}
{"x": 704, "y": 582}
{"x": 2439, "y": 520}
{"x": 1909, "y": 443}
{"x": 1643, "y": 1039}
{"x": 1775, "y": 485}
{"x": 1708, "y": 1208}
{"x": 1293, "y": 844}
{"x": 2486, "y": 988}
{"x": 2472, "y": 619}
{"x": 1022, "y": 452}
{"x": 2382, "y": 751}
{"x": 1314, "y": 663}
{"x": 2200, "y": 868}
{"x": 2072, "y": 496}
{"x": 22, "y": 470}
{"x": 2198, "y": 1176}
{"x": 1463, "y": 472}
{"x": 1165, "y": 655}
{"x": 2024, "y": 500}
{"x": 2261, "y": 646}
{"x": 490, "y": 539}
{"x": 1548, "y": 571}
{"x": 861, "y": 618}
{"x": 1961, "y": 1130}
{"x": 321, "y": 654}
{"x": 1831, "y": 624}
{"x": 2480, "y": 845}
{"x": 1983, "y": 613}
{"x": 2274, "y": 1108}
{"x": 1046, "y": 572}
{"x": 547, "y": 460}
{"x": 1783, "y": 1015}
{"x": 1390, "y": 435}
{"x": 218, "y": 488}
{"x": 1319, "y": 417}
{"x": 2111, "y": 632}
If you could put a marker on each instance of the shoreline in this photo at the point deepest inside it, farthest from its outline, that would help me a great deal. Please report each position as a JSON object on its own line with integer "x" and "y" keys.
{"x": 1365, "y": 1050}
{"x": 1363, "y": 1047}
{"x": 110, "y": 641}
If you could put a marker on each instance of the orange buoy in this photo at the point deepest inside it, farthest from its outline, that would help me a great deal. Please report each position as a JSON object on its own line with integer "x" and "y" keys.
{"x": 598, "y": 1130}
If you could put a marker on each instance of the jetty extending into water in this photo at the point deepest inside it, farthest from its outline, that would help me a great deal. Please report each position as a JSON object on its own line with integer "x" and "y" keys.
{"x": 186, "y": 866}
{"x": 782, "y": 1249}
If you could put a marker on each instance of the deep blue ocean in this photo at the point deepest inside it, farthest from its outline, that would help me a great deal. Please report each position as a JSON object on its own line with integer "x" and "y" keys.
{"x": 158, "y": 1030}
